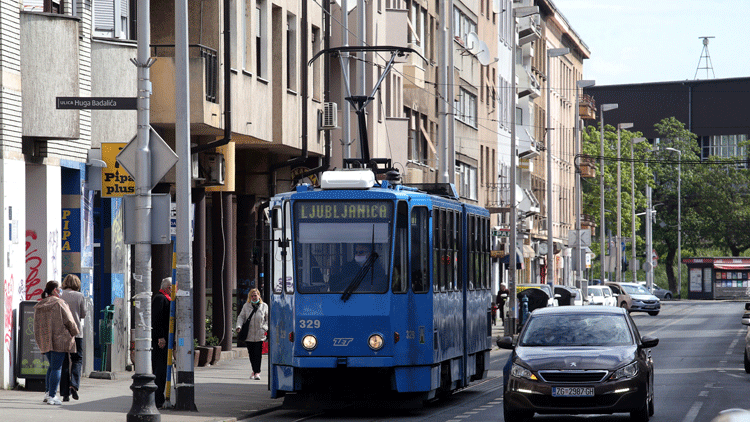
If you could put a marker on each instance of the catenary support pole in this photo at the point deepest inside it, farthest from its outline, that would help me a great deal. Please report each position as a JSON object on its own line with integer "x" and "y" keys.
{"x": 144, "y": 406}
{"x": 184, "y": 349}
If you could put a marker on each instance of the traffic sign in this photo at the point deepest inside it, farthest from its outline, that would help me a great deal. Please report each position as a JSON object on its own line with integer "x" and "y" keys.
{"x": 162, "y": 157}
{"x": 585, "y": 237}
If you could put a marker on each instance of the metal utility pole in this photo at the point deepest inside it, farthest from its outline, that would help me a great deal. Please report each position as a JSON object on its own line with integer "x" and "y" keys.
{"x": 184, "y": 349}
{"x": 632, "y": 206}
{"x": 347, "y": 108}
{"x": 583, "y": 83}
{"x": 444, "y": 106}
{"x": 618, "y": 275}
{"x": 602, "y": 109}
{"x": 144, "y": 407}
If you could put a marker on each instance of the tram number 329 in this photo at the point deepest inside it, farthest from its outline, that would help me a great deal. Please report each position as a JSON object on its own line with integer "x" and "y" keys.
{"x": 309, "y": 323}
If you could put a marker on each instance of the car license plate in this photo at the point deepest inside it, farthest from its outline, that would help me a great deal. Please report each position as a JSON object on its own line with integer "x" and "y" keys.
{"x": 572, "y": 391}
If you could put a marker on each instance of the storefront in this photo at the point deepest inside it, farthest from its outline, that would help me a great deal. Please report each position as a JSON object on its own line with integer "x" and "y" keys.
{"x": 718, "y": 278}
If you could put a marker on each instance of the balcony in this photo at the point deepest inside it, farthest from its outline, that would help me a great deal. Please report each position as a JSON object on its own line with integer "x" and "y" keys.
{"x": 498, "y": 197}
{"x": 588, "y": 222}
{"x": 587, "y": 167}
{"x": 587, "y": 107}
{"x": 527, "y": 83}
{"x": 205, "y": 112}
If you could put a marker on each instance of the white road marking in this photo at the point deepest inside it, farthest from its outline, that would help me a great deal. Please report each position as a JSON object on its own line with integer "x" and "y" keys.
{"x": 693, "y": 412}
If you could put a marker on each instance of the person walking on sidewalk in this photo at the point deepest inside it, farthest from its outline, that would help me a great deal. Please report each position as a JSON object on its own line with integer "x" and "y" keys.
{"x": 71, "y": 368}
{"x": 159, "y": 335}
{"x": 54, "y": 330}
{"x": 253, "y": 320}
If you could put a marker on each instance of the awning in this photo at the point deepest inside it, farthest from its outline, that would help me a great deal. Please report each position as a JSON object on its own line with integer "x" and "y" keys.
{"x": 732, "y": 267}
{"x": 519, "y": 259}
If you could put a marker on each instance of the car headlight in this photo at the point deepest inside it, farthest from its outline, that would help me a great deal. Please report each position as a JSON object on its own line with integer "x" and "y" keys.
{"x": 309, "y": 342}
{"x": 627, "y": 371}
{"x": 375, "y": 342}
{"x": 519, "y": 371}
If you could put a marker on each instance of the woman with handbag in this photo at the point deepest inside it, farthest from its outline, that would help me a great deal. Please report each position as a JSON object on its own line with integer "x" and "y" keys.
{"x": 252, "y": 326}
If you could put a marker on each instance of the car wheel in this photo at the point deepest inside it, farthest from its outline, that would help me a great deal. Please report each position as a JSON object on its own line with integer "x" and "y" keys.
{"x": 641, "y": 415}
{"x": 667, "y": 296}
{"x": 510, "y": 414}
{"x": 624, "y": 305}
{"x": 747, "y": 363}
{"x": 653, "y": 313}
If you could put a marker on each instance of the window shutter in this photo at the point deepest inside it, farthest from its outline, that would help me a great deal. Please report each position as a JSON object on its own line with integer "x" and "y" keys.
{"x": 104, "y": 18}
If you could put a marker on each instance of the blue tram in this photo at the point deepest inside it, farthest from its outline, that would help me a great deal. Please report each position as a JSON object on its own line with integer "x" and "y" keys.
{"x": 377, "y": 288}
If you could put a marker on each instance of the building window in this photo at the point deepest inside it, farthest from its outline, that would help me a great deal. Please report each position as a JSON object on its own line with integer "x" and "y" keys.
{"x": 110, "y": 17}
{"x": 417, "y": 26}
{"x": 317, "y": 65}
{"x": 420, "y": 140}
{"x": 468, "y": 180}
{"x": 291, "y": 52}
{"x": 466, "y": 110}
{"x": 724, "y": 146}
{"x": 260, "y": 38}
{"x": 462, "y": 26}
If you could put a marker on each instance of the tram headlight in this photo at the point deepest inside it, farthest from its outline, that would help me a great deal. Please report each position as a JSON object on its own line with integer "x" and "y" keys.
{"x": 375, "y": 342}
{"x": 309, "y": 342}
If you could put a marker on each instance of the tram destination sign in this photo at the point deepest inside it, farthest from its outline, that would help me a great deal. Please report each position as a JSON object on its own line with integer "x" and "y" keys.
{"x": 96, "y": 103}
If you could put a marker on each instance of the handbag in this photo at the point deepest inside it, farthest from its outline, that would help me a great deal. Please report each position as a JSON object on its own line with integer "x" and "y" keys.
{"x": 242, "y": 336}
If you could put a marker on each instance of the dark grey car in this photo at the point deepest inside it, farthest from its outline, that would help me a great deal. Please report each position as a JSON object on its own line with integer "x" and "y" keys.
{"x": 579, "y": 360}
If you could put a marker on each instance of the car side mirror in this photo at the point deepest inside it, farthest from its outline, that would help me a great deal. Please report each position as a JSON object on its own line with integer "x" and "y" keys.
{"x": 557, "y": 296}
{"x": 746, "y": 318}
{"x": 649, "y": 342}
{"x": 505, "y": 343}
{"x": 747, "y": 306}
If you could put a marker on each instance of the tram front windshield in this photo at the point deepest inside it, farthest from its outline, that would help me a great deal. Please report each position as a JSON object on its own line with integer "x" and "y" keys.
{"x": 342, "y": 246}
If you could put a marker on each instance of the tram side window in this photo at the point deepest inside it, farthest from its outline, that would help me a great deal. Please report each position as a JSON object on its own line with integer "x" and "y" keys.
{"x": 444, "y": 261}
{"x": 477, "y": 252}
{"x": 457, "y": 273}
{"x": 436, "y": 223}
{"x": 420, "y": 243}
{"x": 400, "y": 283}
{"x": 470, "y": 247}
{"x": 486, "y": 238}
{"x": 450, "y": 251}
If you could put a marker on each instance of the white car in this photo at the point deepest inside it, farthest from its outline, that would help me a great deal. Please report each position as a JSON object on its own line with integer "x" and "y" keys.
{"x": 601, "y": 295}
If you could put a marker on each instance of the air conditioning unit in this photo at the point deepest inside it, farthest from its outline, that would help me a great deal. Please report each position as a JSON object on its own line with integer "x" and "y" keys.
{"x": 211, "y": 169}
{"x": 330, "y": 117}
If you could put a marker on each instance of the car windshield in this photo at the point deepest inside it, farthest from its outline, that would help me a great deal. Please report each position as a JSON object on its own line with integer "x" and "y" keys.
{"x": 635, "y": 290}
{"x": 607, "y": 292}
{"x": 595, "y": 292}
{"x": 577, "y": 330}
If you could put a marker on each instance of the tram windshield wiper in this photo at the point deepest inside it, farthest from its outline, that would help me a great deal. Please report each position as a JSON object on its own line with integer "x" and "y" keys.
{"x": 357, "y": 280}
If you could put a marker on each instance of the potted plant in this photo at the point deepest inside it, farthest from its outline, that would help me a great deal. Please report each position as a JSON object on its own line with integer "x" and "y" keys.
{"x": 196, "y": 352}
{"x": 213, "y": 342}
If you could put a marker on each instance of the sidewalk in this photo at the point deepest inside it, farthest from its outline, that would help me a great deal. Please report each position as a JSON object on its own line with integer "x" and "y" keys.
{"x": 223, "y": 392}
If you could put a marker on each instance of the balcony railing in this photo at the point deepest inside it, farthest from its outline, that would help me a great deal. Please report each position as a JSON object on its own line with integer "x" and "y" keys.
{"x": 498, "y": 197}
{"x": 210, "y": 62}
{"x": 587, "y": 107}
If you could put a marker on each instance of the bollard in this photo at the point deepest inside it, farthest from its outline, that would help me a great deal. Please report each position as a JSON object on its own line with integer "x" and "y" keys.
{"x": 524, "y": 309}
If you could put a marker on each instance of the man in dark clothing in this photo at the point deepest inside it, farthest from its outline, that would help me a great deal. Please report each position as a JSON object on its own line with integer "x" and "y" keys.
{"x": 159, "y": 335}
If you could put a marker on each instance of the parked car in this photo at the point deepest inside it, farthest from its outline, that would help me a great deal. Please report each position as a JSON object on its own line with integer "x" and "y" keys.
{"x": 601, "y": 295}
{"x": 578, "y": 360}
{"x": 662, "y": 294}
{"x": 579, "y": 300}
{"x": 635, "y": 298}
{"x": 551, "y": 297}
{"x": 568, "y": 295}
{"x": 733, "y": 415}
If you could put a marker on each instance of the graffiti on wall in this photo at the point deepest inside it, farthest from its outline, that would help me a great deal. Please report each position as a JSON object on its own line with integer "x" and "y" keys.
{"x": 119, "y": 251}
{"x": 53, "y": 246}
{"x": 8, "y": 317}
{"x": 33, "y": 264}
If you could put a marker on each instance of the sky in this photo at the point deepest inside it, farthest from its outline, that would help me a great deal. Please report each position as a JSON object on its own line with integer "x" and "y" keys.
{"x": 641, "y": 41}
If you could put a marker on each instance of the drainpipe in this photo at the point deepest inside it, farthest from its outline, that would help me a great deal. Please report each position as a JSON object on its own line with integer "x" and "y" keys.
{"x": 227, "y": 89}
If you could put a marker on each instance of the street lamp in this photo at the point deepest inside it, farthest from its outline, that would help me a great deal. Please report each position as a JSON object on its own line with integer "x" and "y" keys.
{"x": 551, "y": 52}
{"x": 633, "y": 141}
{"x": 679, "y": 219}
{"x": 510, "y": 326}
{"x": 602, "y": 109}
{"x": 618, "y": 243}
{"x": 584, "y": 83}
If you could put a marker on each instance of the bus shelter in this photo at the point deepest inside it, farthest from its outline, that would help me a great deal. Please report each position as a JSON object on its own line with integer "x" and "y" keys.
{"x": 718, "y": 278}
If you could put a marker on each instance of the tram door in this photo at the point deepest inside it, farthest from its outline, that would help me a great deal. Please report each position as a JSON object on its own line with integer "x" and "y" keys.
{"x": 418, "y": 309}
